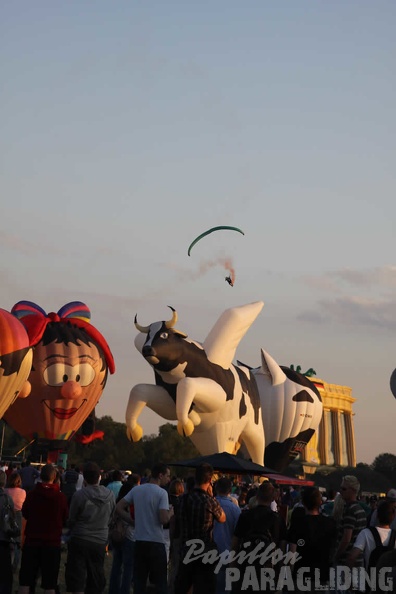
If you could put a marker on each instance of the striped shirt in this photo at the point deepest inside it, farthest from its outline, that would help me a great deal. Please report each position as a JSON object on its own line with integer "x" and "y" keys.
{"x": 354, "y": 518}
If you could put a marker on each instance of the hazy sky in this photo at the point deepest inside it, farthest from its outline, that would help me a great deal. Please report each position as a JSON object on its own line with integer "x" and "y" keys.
{"x": 128, "y": 128}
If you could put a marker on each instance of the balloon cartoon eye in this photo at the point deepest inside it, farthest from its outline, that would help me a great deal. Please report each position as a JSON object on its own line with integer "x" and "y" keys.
{"x": 164, "y": 335}
{"x": 59, "y": 373}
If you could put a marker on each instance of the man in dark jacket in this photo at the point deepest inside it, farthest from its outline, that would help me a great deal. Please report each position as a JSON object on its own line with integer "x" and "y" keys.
{"x": 91, "y": 510}
{"x": 45, "y": 511}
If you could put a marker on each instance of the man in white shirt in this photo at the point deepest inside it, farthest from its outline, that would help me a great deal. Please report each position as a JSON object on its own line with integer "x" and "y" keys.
{"x": 152, "y": 511}
{"x": 365, "y": 541}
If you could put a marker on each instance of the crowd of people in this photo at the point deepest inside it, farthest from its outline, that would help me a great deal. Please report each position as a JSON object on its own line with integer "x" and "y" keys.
{"x": 208, "y": 534}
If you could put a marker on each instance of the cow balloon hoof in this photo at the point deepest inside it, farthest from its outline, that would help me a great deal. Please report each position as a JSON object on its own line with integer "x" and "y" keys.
{"x": 135, "y": 434}
{"x": 195, "y": 418}
{"x": 186, "y": 429}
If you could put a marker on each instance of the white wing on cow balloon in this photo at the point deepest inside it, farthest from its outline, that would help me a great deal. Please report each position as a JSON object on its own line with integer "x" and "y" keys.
{"x": 291, "y": 411}
{"x": 222, "y": 341}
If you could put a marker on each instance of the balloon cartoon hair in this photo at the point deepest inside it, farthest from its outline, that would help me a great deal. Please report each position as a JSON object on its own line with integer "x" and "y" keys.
{"x": 70, "y": 324}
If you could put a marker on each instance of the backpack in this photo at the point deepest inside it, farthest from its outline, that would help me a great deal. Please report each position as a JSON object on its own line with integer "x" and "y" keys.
{"x": 380, "y": 549}
{"x": 8, "y": 524}
{"x": 259, "y": 532}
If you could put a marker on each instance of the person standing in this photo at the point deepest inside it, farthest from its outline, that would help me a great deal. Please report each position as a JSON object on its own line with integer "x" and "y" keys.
{"x": 29, "y": 475}
{"x": 5, "y": 542}
{"x": 116, "y": 483}
{"x": 313, "y": 537}
{"x": 91, "y": 510}
{"x": 176, "y": 491}
{"x": 261, "y": 527}
{"x": 198, "y": 511}
{"x": 353, "y": 521}
{"x": 224, "y": 531}
{"x": 152, "y": 511}
{"x": 366, "y": 542}
{"x": 69, "y": 482}
{"x": 390, "y": 496}
{"x": 18, "y": 496}
{"x": 45, "y": 511}
{"x": 124, "y": 552}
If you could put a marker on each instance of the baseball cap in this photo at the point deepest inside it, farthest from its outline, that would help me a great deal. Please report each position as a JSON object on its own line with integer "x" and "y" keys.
{"x": 391, "y": 494}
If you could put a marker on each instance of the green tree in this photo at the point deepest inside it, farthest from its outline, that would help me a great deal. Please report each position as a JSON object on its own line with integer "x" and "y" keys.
{"x": 386, "y": 465}
{"x": 168, "y": 446}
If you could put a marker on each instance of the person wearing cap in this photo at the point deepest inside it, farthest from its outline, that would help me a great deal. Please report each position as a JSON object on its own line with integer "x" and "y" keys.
{"x": 353, "y": 520}
{"x": 390, "y": 496}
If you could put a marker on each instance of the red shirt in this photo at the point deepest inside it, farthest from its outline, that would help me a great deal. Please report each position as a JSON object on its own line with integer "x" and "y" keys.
{"x": 45, "y": 510}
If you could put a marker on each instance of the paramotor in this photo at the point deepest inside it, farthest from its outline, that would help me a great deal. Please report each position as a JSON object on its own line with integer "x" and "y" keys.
{"x": 211, "y": 231}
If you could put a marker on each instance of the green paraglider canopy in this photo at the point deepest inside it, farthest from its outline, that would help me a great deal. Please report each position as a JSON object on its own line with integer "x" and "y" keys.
{"x": 211, "y": 231}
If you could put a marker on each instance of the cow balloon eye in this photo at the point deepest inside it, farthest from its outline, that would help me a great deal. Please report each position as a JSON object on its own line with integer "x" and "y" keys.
{"x": 164, "y": 335}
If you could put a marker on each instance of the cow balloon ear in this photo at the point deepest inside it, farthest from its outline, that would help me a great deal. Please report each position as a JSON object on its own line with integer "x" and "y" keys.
{"x": 179, "y": 333}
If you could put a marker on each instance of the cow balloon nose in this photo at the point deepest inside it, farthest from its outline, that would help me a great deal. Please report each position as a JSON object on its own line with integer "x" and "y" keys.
{"x": 148, "y": 351}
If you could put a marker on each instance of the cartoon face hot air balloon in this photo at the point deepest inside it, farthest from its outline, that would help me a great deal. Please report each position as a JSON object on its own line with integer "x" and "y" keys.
{"x": 15, "y": 360}
{"x": 291, "y": 408}
{"x": 71, "y": 361}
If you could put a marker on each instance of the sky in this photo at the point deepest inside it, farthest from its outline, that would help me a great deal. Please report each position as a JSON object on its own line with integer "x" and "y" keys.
{"x": 129, "y": 128}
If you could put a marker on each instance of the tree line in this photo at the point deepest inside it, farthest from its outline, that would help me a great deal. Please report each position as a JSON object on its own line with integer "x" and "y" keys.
{"x": 115, "y": 451}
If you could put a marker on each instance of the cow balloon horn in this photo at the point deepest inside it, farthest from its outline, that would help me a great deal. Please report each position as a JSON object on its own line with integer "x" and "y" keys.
{"x": 173, "y": 321}
{"x": 144, "y": 329}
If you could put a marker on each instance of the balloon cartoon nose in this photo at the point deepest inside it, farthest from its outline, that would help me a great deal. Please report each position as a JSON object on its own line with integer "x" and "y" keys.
{"x": 71, "y": 389}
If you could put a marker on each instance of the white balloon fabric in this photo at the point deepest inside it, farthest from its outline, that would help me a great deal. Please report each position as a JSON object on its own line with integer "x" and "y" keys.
{"x": 291, "y": 409}
{"x": 221, "y": 406}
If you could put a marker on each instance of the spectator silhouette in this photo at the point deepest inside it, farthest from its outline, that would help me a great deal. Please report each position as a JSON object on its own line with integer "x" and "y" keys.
{"x": 45, "y": 511}
{"x": 91, "y": 510}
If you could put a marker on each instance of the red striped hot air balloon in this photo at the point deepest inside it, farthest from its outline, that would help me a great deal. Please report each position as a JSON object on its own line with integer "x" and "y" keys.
{"x": 15, "y": 360}
{"x": 71, "y": 362}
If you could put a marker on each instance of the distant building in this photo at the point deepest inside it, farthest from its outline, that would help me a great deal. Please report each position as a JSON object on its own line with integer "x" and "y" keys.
{"x": 334, "y": 443}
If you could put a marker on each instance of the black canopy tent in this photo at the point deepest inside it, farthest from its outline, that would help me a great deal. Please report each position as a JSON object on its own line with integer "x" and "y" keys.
{"x": 231, "y": 464}
{"x": 227, "y": 463}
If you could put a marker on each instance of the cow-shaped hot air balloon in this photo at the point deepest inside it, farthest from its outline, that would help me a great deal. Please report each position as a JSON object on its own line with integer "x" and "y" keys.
{"x": 15, "y": 360}
{"x": 71, "y": 361}
{"x": 219, "y": 405}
